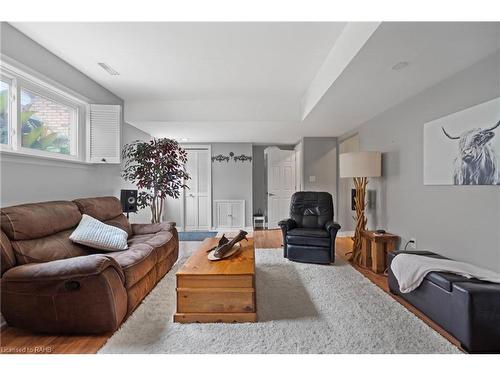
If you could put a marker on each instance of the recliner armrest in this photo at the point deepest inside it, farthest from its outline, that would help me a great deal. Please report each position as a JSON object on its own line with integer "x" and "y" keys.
{"x": 332, "y": 225}
{"x": 153, "y": 228}
{"x": 287, "y": 224}
{"x": 88, "y": 265}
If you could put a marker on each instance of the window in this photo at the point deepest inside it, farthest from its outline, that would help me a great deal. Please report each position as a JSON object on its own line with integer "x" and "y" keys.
{"x": 38, "y": 118}
{"x": 47, "y": 125}
{"x": 4, "y": 112}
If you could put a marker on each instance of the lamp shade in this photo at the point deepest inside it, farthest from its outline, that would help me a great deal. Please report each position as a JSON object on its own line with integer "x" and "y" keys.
{"x": 361, "y": 164}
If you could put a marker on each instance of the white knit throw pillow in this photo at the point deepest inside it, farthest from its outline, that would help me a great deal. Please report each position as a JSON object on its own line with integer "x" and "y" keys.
{"x": 93, "y": 233}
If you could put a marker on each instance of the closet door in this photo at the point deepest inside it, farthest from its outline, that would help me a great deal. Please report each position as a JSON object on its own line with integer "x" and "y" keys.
{"x": 197, "y": 197}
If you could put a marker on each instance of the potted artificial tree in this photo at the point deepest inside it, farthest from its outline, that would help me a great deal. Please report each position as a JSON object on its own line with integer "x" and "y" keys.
{"x": 156, "y": 167}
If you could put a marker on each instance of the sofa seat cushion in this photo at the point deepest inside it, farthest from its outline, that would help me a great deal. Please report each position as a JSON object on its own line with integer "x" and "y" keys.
{"x": 164, "y": 226}
{"x": 136, "y": 262}
{"x": 159, "y": 241}
{"x": 308, "y": 241}
{"x": 309, "y": 232}
{"x": 445, "y": 280}
{"x": 154, "y": 239}
{"x": 308, "y": 237}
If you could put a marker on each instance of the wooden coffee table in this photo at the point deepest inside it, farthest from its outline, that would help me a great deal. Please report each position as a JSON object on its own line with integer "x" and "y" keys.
{"x": 221, "y": 291}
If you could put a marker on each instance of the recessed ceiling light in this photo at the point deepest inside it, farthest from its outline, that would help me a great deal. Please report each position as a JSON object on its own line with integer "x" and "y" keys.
{"x": 400, "y": 65}
{"x": 109, "y": 69}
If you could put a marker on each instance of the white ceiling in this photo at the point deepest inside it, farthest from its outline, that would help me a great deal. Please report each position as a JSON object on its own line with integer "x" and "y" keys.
{"x": 369, "y": 86}
{"x": 244, "y": 81}
{"x": 161, "y": 60}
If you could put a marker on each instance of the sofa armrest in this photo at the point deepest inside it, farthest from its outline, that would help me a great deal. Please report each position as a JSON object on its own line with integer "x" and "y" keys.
{"x": 153, "y": 228}
{"x": 81, "y": 295}
{"x": 63, "y": 269}
{"x": 287, "y": 224}
{"x": 332, "y": 226}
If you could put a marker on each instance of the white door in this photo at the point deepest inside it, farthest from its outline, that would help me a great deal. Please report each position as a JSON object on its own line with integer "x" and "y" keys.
{"x": 197, "y": 199}
{"x": 280, "y": 183}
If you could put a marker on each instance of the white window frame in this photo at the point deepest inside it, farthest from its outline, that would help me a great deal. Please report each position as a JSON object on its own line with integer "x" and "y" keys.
{"x": 23, "y": 79}
{"x": 11, "y": 104}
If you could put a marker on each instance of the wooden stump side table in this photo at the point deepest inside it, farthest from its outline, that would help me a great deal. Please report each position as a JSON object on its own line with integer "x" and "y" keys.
{"x": 374, "y": 248}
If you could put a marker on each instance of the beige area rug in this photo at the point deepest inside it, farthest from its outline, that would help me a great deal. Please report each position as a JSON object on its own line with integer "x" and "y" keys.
{"x": 302, "y": 308}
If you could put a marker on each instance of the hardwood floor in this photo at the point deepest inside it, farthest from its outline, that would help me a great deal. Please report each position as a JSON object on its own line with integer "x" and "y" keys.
{"x": 268, "y": 239}
{"x": 14, "y": 341}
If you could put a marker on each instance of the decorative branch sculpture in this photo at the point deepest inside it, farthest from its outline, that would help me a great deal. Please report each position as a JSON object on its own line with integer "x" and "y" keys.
{"x": 360, "y": 205}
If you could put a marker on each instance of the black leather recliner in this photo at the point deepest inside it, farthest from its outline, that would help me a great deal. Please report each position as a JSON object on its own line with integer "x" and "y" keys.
{"x": 309, "y": 234}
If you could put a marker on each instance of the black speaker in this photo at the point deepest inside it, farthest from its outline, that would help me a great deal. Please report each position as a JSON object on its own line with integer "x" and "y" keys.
{"x": 129, "y": 200}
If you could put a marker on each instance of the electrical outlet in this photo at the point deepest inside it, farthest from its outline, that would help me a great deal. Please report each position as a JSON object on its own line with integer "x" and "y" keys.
{"x": 413, "y": 243}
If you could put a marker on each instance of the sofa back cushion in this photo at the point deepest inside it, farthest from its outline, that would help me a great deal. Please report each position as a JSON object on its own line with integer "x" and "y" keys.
{"x": 311, "y": 209}
{"x": 105, "y": 209}
{"x": 46, "y": 249}
{"x": 37, "y": 220}
{"x": 39, "y": 232}
{"x": 7, "y": 259}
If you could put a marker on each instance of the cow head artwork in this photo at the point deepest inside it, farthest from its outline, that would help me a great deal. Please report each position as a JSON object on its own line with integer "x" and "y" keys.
{"x": 476, "y": 163}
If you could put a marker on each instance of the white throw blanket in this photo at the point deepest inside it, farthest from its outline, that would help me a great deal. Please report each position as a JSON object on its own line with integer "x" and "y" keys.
{"x": 410, "y": 270}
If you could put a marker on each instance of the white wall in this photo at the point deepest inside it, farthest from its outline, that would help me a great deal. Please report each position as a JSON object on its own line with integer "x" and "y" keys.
{"x": 26, "y": 179}
{"x": 461, "y": 222}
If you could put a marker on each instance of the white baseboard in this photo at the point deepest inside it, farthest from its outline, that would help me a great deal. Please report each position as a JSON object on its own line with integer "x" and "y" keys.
{"x": 246, "y": 229}
{"x": 346, "y": 233}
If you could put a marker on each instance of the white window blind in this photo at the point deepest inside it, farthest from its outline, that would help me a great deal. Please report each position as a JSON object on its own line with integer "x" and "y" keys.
{"x": 104, "y": 134}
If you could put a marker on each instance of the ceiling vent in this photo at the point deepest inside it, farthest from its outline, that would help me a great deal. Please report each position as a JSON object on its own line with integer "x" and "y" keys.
{"x": 400, "y": 65}
{"x": 109, "y": 69}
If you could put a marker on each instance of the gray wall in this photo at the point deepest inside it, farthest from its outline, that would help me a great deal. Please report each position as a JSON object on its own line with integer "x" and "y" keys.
{"x": 259, "y": 182}
{"x": 231, "y": 180}
{"x": 345, "y": 211}
{"x": 320, "y": 161}
{"x": 26, "y": 179}
{"x": 462, "y": 222}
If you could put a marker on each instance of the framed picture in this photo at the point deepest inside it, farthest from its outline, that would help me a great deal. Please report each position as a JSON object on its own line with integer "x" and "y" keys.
{"x": 464, "y": 148}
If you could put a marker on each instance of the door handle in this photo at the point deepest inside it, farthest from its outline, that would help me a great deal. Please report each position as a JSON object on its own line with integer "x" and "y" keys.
{"x": 271, "y": 194}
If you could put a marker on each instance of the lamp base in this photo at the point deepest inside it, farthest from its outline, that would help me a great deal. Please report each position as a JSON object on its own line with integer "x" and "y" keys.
{"x": 360, "y": 204}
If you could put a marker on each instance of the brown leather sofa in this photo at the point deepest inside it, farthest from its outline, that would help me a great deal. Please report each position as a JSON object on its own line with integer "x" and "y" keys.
{"x": 51, "y": 285}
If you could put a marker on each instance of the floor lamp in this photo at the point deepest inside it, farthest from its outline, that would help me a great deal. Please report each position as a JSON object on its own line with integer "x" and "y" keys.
{"x": 359, "y": 166}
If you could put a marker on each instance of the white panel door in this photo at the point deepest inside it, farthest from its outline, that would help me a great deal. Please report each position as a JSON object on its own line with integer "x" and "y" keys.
{"x": 197, "y": 198}
{"x": 281, "y": 170}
